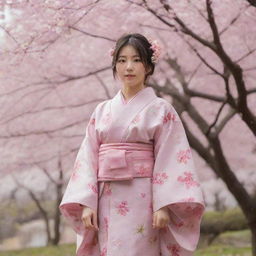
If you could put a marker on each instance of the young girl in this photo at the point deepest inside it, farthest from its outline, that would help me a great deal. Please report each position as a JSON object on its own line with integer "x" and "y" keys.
{"x": 134, "y": 190}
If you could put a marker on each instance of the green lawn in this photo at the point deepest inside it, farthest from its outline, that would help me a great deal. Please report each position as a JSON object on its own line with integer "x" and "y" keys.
{"x": 220, "y": 250}
{"x": 62, "y": 250}
{"x": 69, "y": 250}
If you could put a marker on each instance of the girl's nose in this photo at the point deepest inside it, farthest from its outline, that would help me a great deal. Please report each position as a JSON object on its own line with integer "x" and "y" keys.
{"x": 129, "y": 65}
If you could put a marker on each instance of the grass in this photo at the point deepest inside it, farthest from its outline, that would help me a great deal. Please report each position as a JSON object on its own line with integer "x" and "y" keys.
{"x": 61, "y": 250}
{"x": 69, "y": 250}
{"x": 221, "y": 250}
{"x": 244, "y": 234}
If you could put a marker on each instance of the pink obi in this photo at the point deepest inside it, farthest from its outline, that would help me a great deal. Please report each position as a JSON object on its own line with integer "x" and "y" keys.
{"x": 125, "y": 161}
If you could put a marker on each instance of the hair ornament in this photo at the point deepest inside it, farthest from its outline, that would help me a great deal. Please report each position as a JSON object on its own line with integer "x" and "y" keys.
{"x": 111, "y": 51}
{"x": 156, "y": 50}
{"x": 155, "y": 46}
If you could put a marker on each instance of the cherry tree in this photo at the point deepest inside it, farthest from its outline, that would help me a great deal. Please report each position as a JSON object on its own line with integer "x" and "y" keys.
{"x": 55, "y": 68}
{"x": 252, "y": 2}
{"x": 212, "y": 48}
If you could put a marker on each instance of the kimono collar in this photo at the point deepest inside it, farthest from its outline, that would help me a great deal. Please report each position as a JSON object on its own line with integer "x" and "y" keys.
{"x": 137, "y": 94}
{"x": 123, "y": 114}
{"x": 141, "y": 98}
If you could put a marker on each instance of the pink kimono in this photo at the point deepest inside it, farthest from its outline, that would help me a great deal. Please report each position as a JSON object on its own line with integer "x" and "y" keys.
{"x": 134, "y": 160}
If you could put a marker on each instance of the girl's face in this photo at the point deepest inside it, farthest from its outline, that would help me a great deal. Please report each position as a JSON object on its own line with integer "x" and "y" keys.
{"x": 130, "y": 68}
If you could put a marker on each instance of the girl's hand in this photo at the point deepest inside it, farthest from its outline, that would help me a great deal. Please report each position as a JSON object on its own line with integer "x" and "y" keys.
{"x": 89, "y": 218}
{"x": 161, "y": 218}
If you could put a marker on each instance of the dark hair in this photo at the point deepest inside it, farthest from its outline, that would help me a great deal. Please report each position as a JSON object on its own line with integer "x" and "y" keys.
{"x": 141, "y": 45}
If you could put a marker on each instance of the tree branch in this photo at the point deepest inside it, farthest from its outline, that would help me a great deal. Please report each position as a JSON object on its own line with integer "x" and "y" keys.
{"x": 225, "y": 120}
{"x": 252, "y": 2}
{"x": 216, "y": 118}
{"x": 251, "y": 91}
{"x": 194, "y": 93}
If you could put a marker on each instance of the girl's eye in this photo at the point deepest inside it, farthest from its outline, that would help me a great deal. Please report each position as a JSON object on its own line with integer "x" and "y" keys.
{"x": 122, "y": 60}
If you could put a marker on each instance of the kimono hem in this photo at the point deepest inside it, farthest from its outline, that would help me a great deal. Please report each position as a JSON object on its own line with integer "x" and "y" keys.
{"x": 125, "y": 206}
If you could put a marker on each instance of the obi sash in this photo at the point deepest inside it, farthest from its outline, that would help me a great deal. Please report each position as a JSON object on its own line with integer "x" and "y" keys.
{"x": 125, "y": 161}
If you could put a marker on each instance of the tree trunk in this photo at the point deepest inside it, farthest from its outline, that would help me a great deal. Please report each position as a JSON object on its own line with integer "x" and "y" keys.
{"x": 220, "y": 166}
{"x": 253, "y": 231}
{"x": 252, "y": 2}
{"x": 44, "y": 214}
{"x": 56, "y": 238}
{"x": 59, "y": 195}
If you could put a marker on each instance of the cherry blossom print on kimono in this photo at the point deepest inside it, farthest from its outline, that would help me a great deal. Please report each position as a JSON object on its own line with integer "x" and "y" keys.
{"x": 125, "y": 207}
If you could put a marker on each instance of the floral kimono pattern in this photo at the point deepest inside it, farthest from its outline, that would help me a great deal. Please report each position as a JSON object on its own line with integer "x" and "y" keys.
{"x": 125, "y": 208}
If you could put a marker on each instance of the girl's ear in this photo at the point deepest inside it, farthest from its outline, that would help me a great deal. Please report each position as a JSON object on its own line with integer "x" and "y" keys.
{"x": 148, "y": 70}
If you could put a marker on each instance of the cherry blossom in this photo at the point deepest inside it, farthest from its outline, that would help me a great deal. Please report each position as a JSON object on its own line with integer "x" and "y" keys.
{"x": 188, "y": 199}
{"x": 195, "y": 211}
{"x": 188, "y": 180}
{"x": 184, "y": 155}
{"x": 143, "y": 195}
{"x": 159, "y": 178}
{"x": 93, "y": 187}
{"x": 103, "y": 252}
{"x": 92, "y": 122}
{"x": 122, "y": 208}
{"x": 152, "y": 239}
{"x": 169, "y": 116}
{"x": 140, "y": 229}
{"x": 106, "y": 223}
{"x": 174, "y": 249}
{"x": 143, "y": 170}
{"x": 107, "y": 189}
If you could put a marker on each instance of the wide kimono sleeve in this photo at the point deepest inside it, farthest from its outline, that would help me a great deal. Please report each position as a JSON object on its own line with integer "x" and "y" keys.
{"x": 82, "y": 188}
{"x": 175, "y": 183}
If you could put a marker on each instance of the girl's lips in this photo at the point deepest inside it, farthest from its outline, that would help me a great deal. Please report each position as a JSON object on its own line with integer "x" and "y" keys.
{"x": 130, "y": 76}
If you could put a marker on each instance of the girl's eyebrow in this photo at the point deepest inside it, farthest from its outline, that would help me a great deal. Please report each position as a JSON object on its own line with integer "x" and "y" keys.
{"x": 132, "y": 56}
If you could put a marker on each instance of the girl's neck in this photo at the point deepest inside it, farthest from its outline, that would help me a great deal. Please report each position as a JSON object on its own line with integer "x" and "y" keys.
{"x": 129, "y": 92}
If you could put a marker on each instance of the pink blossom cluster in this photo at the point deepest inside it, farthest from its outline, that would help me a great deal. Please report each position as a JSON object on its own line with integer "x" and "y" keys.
{"x": 154, "y": 46}
{"x": 122, "y": 208}
{"x": 174, "y": 249}
{"x": 107, "y": 189}
{"x": 143, "y": 170}
{"x": 111, "y": 51}
{"x": 188, "y": 199}
{"x": 143, "y": 195}
{"x": 92, "y": 122}
{"x": 184, "y": 155}
{"x": 156, "y": 50}
{"x": 103, "y": 252}
{"x": 106, "y": 223}
{"x": 196, "y": 211}
{"x": 159, "y": 178}
{"x": 188, "y": 180}
{"x": 93, "y": 187}
{"x": 169, "y": 117}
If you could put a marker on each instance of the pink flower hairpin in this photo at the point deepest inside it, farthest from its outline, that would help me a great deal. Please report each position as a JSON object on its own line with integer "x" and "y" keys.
{"x": 156, "y": 50}
{"x": 154, "y": 46}
{"x": 111, "y": 51}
